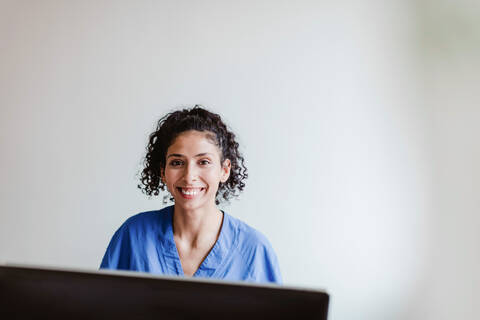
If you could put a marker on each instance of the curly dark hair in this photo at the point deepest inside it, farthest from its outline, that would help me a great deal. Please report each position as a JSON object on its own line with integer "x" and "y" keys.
{"x": 199, "y": 119}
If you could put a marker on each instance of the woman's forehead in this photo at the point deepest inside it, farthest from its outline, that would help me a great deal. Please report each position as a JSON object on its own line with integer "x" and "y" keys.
{"x": 193, "y": 142}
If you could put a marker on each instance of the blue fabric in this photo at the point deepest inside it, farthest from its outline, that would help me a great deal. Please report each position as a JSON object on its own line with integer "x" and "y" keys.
{"x": 145, "y": 243}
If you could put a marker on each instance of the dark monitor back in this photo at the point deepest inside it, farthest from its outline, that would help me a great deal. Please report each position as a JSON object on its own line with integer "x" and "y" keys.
{"x": 32, "y": 293}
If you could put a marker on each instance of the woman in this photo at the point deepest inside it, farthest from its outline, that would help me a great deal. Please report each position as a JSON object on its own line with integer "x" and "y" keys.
{"x": 194, "y": 155}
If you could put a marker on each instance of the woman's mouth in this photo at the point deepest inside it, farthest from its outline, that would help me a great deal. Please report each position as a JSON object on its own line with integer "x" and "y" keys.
{"x": 190, "y": 193}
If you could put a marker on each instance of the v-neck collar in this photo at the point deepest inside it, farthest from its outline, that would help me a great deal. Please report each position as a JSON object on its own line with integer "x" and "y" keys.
{"x": 211, "y": 262}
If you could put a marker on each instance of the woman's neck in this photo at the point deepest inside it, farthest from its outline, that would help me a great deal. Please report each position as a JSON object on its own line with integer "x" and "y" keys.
{"x": 197, "y": 227}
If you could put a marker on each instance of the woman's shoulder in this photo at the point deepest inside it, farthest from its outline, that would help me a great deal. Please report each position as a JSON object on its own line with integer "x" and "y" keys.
{"x": 147, "y": 219}
{"x": 248, "y": 235}
{"x": 256, "y": 254}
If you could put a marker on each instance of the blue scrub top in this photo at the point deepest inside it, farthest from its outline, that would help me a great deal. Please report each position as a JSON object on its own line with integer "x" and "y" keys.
{"x": 145, "y": 243}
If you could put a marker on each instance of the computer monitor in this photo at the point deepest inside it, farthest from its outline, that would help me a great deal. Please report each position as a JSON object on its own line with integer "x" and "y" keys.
{"x": 40, "y": 293}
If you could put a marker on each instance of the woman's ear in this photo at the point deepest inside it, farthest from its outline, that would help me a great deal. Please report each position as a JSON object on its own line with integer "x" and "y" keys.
{"x": 162, "y": 175}
{"x": 226, "y": 167}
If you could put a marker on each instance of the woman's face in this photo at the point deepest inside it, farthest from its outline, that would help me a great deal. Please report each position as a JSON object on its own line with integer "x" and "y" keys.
{"x": 194, "y": 170}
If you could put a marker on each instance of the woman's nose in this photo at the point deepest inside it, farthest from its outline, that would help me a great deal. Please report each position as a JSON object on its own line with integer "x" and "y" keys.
{"x": 190, "y": 173}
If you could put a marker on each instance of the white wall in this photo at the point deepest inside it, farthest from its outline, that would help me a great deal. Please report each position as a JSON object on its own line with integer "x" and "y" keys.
{"x": 449, "y": 38}
{"x": 349, "y": 150}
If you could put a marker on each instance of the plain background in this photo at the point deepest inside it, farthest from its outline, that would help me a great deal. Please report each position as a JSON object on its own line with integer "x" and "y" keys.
{"x": 358, "y": 121}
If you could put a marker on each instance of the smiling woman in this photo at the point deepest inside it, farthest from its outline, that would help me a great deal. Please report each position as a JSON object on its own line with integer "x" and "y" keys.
{"x": 194, "y": 170}
{"x": 195, "y": 158}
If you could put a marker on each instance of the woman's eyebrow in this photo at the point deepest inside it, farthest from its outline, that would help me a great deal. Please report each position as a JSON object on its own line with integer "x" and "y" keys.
{"x": 175, "y": 155}
{"x": 181, "y": 155}
{"x": 202, "y": 154}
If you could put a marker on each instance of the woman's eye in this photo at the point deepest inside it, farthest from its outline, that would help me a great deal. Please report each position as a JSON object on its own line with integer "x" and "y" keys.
{"x": 204, "y": 162}
{"x": 175, "y": 163}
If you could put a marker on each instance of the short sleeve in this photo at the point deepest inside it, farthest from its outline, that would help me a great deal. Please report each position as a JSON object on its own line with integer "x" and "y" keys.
{"x": 265, "y": 265}
{"x": 118, "y": 253}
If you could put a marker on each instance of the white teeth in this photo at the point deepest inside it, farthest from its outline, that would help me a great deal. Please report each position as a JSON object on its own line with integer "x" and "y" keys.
{"x": 191, "y": 192}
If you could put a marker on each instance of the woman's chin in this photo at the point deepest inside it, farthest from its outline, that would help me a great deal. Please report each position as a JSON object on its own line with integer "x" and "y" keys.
{"x": 193, "y": 204}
